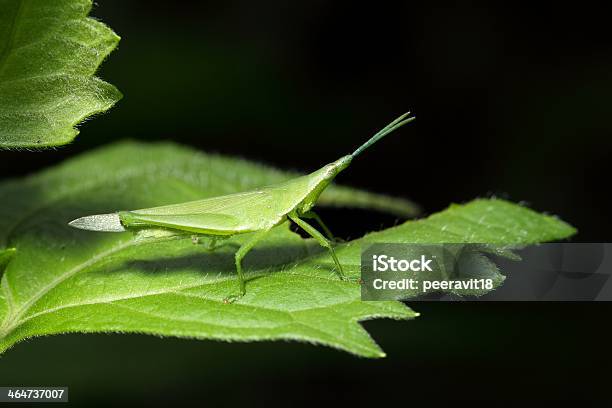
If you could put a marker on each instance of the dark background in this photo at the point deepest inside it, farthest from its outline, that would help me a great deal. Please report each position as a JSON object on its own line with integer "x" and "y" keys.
{"x": 509, "y": 101}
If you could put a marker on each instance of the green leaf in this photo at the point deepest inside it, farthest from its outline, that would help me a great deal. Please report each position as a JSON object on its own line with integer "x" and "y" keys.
{"x": 66, "y": 280}
{"x": 49, "y": 52}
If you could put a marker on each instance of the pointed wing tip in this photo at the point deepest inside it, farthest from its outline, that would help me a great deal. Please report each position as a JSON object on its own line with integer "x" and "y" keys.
{"x": 99, "y": 222}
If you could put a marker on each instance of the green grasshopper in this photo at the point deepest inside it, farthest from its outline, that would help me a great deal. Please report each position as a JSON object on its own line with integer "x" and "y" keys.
{"x": 256, "y": 211}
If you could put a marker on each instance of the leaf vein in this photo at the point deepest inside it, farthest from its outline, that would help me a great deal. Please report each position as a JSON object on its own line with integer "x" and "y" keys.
{"x": 11, "y": 37}
{"x": 8, "y": 295}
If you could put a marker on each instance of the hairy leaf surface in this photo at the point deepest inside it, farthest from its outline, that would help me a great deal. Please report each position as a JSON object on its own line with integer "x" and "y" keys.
{"x": 61, "y": 279}
{"x": 49, "y": 52}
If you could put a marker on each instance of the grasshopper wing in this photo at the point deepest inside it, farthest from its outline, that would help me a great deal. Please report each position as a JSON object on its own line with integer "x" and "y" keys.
{"x": 225, "y": 215}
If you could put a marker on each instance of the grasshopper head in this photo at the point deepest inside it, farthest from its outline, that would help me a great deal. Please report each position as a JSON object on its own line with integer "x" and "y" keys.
{"x": 323, "y": 177}
{"x": 337, "y": 166}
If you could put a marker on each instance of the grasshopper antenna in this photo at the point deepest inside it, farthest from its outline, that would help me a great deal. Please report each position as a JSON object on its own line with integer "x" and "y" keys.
{"x": 397, "y": 123}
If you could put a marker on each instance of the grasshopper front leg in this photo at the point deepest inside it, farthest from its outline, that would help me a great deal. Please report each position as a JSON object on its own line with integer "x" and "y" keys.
{"x": 321, "y": 239}
{"x": 314, "y": 216}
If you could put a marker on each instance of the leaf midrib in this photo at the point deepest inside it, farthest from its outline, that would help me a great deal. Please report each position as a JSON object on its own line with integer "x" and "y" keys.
{"x": 8, "y": 295}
